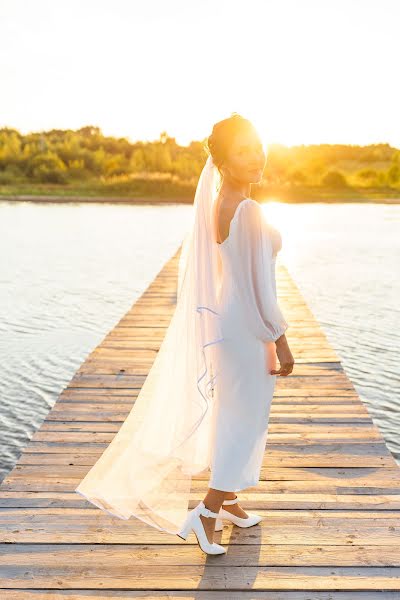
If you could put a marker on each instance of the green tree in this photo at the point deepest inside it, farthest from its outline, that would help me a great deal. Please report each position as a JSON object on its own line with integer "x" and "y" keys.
{"x": 367, "y": 176}
{"x": 297, "y": 177}
{"x": 334, "y": 179}
{"x": 48, "y": 168}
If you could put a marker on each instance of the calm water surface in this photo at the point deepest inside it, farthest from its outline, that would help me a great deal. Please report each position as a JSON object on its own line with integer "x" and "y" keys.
{"x": 69, "y": 272}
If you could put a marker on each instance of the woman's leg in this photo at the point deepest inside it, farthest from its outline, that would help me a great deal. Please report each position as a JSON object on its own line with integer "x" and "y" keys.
{"x": 235, "y": 509}
{"x": 213, "y": 500}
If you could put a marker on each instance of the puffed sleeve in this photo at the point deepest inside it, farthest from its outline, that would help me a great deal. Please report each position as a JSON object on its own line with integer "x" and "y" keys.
{"x": 254, "y": 244}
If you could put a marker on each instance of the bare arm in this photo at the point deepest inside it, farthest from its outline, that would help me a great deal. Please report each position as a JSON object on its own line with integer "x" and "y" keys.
{"x": 285, "y": 357}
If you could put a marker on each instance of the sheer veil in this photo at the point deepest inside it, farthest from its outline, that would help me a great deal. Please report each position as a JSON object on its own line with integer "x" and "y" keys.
{"x": 146, "y": 470}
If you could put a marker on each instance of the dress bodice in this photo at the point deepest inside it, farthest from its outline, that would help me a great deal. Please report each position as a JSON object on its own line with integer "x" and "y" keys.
{"x": 248, "y": 284}
{"x": 276, "y": 241}
{"x": 228, "y": 279}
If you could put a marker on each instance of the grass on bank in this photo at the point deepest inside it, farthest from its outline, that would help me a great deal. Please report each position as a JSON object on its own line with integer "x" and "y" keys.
{"x": 170, "y": 188}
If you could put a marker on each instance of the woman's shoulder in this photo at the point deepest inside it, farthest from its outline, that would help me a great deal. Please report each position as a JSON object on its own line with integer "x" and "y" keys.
{"x": 250, "y": 202}
{"x": 249, "y": 206}
{"x": 252, "y": 216}
{"x": 250, "y": 210}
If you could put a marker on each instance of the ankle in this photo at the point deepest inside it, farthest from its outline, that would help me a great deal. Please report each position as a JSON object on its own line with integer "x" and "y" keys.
{"x": 229, "y": 496}
{"x": 213, "y": 506}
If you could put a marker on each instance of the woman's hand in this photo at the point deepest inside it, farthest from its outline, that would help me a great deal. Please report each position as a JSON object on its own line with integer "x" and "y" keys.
{"x": 285, "y": 357}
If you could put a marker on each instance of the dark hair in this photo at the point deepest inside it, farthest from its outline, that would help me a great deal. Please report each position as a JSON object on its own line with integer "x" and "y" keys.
{"x": 222, "y": 135}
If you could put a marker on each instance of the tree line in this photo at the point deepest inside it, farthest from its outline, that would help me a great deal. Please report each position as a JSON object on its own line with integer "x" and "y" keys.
{"x": 65, "y": 156}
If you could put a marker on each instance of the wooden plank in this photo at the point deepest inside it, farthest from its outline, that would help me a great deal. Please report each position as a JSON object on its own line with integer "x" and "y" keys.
{"x": 63, "y": 525}
{"x": 214, "y": 578}
{"x": 98, "y": 557}
{"x": 277, "y": 409}
{"x": 362, "y": 433}
{"x": 381, "y": 487}
{"x": 74, "y": 594}
{"x": 198, "y": 595}
{"x": 351, "y": 476}
{"x": 249, "y": 500}
{"x": 317, "y": 455}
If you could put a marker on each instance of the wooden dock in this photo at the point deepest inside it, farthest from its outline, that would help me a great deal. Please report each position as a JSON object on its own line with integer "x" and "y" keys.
{"x": 329, "y": 487}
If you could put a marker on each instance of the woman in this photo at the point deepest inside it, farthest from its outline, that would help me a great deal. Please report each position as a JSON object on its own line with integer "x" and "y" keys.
{"x": 206, "y": 399}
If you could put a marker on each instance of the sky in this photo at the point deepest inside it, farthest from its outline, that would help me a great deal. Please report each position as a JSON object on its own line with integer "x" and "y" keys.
{"x": 303, "y": 71}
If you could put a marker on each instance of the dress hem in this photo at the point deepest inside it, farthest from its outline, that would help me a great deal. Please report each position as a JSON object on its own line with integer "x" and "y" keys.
{"x": 232, "y": 488}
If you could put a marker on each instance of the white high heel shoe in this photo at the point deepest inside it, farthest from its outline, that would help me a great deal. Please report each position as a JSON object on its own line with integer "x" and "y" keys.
{"x": 194, "y": 523}
{"x": 252, "y": 519}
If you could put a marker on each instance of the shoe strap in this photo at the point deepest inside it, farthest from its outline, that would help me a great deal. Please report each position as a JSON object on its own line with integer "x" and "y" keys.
{"x": 206, "y": 512}
{"x": 231, "y": 501}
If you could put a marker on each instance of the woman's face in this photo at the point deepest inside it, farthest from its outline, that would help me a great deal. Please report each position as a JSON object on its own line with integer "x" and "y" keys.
{"x": 247, "y": 158}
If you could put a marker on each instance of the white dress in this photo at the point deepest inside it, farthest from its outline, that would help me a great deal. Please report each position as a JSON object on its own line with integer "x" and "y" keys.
{"x": 146, "y": 471}
{"x": 251, "y": 322}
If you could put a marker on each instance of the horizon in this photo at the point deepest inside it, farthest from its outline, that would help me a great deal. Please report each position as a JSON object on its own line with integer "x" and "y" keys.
{"x": 155, "y": 140}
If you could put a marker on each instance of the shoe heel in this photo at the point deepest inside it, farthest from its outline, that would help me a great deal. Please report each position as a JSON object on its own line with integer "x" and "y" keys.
{"x": 195, "y": 524}
{"x": 187, "y": 527}
{"x": 219, "y": 525}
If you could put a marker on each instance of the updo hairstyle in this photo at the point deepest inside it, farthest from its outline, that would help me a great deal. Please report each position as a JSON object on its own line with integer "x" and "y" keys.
{"x": 222, "y": 136}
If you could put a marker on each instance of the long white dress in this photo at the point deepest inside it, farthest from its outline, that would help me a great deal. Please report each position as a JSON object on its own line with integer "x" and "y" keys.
{"x": 251, "y": 322}
{"x": 176, "y": 428}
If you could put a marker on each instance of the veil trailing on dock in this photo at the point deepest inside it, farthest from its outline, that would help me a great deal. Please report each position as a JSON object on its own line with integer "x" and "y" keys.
{"x": 146, "y": 470}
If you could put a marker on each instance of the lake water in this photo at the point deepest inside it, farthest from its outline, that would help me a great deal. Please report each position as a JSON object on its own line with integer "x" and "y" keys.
{"x": 69, "y": 272}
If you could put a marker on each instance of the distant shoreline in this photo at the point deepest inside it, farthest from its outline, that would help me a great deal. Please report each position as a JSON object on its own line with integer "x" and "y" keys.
{"x": 338, "y": 199}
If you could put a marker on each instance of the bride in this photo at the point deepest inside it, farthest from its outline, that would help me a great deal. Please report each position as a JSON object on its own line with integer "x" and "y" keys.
{"x": 204, "y": 406}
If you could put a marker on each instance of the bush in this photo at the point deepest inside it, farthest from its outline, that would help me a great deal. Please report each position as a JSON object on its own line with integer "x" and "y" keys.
{"x": 334, "y": 179}
{"x": 367, "y": 176}
{"x": 393, "y": 174}
{"x": 12, "y": 174}
{"x": 48, "y": 168}
{"x": 297, "y": 177}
